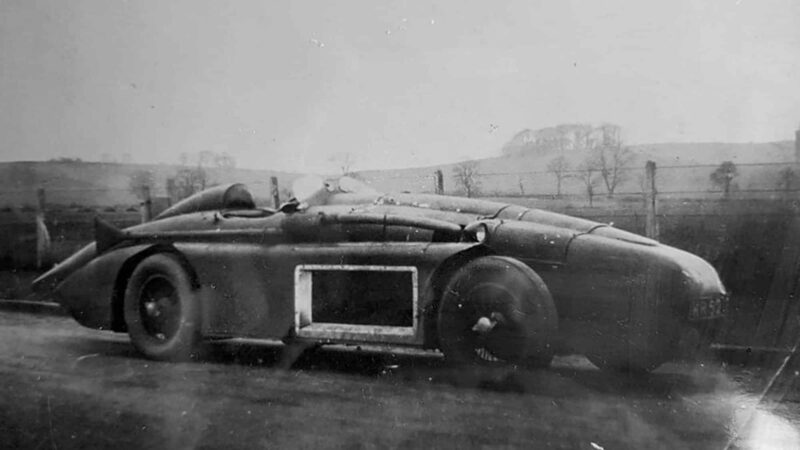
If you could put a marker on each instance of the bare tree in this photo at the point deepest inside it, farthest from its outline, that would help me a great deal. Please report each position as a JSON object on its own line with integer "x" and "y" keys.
{"x": 589, "y": 175}
{"x": 610, "y": 134}
{"x": 609, "y": 156}
{"x": 562, "y": 138}
{"x": 787, "y": 179}
{"x": 206, "y": 158}
{"x": 723, "y": 177}
{"x": 582, "y": 136}
{"x": 172, "y": 190}
{"x": 224, "y": 161}
{"x": 183, "y": 159}
{"x": 612, "y": 161}
{"x": 66, "y": 159}
{"x": 344, "y": 162}
{"x": 466, "y": 174}
{"x": 559, "y": 167}
{"x": 139, "y": 181}
{"x": 552, "y": 139}
{"x": 190, "y": 181}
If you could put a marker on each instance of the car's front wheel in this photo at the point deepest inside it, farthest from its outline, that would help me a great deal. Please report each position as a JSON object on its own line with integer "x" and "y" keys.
{"x": 496, "y": 310}
{"x": 161, "y": 309}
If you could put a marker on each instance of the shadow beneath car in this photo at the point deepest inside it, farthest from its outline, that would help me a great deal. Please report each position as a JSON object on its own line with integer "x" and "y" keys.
{"x": 571, "y": 376}
{"x": 366, "y": 361}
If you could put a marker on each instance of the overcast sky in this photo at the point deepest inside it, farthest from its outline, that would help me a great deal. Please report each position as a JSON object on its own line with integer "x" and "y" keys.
{"x": 286, "y": 84}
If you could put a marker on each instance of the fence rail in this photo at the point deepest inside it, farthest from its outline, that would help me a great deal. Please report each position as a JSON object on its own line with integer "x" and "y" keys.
{"x": 694, "y": 180}
{"x": 767, "y": 179}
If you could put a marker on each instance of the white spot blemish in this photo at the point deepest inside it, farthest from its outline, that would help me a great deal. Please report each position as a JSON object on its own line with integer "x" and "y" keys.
{"x": 91, "y": 355}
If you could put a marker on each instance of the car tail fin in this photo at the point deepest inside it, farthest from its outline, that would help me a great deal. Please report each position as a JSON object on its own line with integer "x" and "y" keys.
{"x": 106, "y": 235}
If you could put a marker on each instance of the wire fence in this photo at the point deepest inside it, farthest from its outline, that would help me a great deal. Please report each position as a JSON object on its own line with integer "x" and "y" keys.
{"x": 751, "y": 180}
{"x": 770, "y": 180}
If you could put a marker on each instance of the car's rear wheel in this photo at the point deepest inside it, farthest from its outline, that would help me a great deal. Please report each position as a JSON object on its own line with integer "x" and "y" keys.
{"x": 161, "y": 309}
{"x": 497, "y": 311}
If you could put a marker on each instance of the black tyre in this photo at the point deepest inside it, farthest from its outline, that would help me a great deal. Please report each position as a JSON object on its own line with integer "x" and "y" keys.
{"x": 161, "y": 309}
{"x": 497, "y": 311}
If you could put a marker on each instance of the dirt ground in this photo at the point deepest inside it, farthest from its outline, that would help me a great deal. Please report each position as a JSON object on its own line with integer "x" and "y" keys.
{"x": 63, "y": 386}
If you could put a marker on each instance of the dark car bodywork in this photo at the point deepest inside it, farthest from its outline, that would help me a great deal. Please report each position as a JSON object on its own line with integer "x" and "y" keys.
{"x": 363, "y": 267}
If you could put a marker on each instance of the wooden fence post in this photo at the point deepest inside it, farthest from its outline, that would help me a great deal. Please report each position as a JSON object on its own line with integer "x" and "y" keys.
{"x": 146, "y": 207}
{"x": 651, "y": 223}
{"x": 172, "y": 191}
{"x": 438, "y": 182}
{"x": 42, "y": 235}
{"x": 41, "y": 200}
{"x": 276, "y": 196}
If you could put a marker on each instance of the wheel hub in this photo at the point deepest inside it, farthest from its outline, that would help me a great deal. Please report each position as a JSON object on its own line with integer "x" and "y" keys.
{"x": 483, "y": 328}
{"x": 484, "y": 325}
{"x": 159, "y": 308}
{"x": 152, "y": 309}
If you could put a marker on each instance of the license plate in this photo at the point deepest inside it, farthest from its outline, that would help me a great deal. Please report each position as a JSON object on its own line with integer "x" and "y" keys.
{"x": 709, "y": 308}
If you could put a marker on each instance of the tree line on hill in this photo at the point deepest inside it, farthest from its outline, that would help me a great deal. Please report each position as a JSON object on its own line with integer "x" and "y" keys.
{"x": 602, "y": 152}
{"x": 596, "y": 157}
{"x": 190, "y": 178}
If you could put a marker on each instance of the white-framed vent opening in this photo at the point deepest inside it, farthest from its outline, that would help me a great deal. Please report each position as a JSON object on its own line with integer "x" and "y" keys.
{"x": 356, "y": 303}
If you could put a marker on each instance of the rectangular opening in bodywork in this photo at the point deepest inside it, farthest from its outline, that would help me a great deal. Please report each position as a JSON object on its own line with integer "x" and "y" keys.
{"x": 356, "y": 302}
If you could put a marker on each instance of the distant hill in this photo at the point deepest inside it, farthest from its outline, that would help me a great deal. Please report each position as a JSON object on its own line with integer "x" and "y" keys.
{"x": 717, "y": 152}
{"x": 107, "y": 184}
{"x": 516, "y": 173}
{"x": 525, "y": 173}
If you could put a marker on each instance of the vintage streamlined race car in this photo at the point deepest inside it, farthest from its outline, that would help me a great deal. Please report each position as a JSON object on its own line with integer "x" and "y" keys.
{"x": 483, "y": 282}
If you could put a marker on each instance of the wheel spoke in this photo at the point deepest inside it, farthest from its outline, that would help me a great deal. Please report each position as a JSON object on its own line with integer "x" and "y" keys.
{"x": 486, "y": 355}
